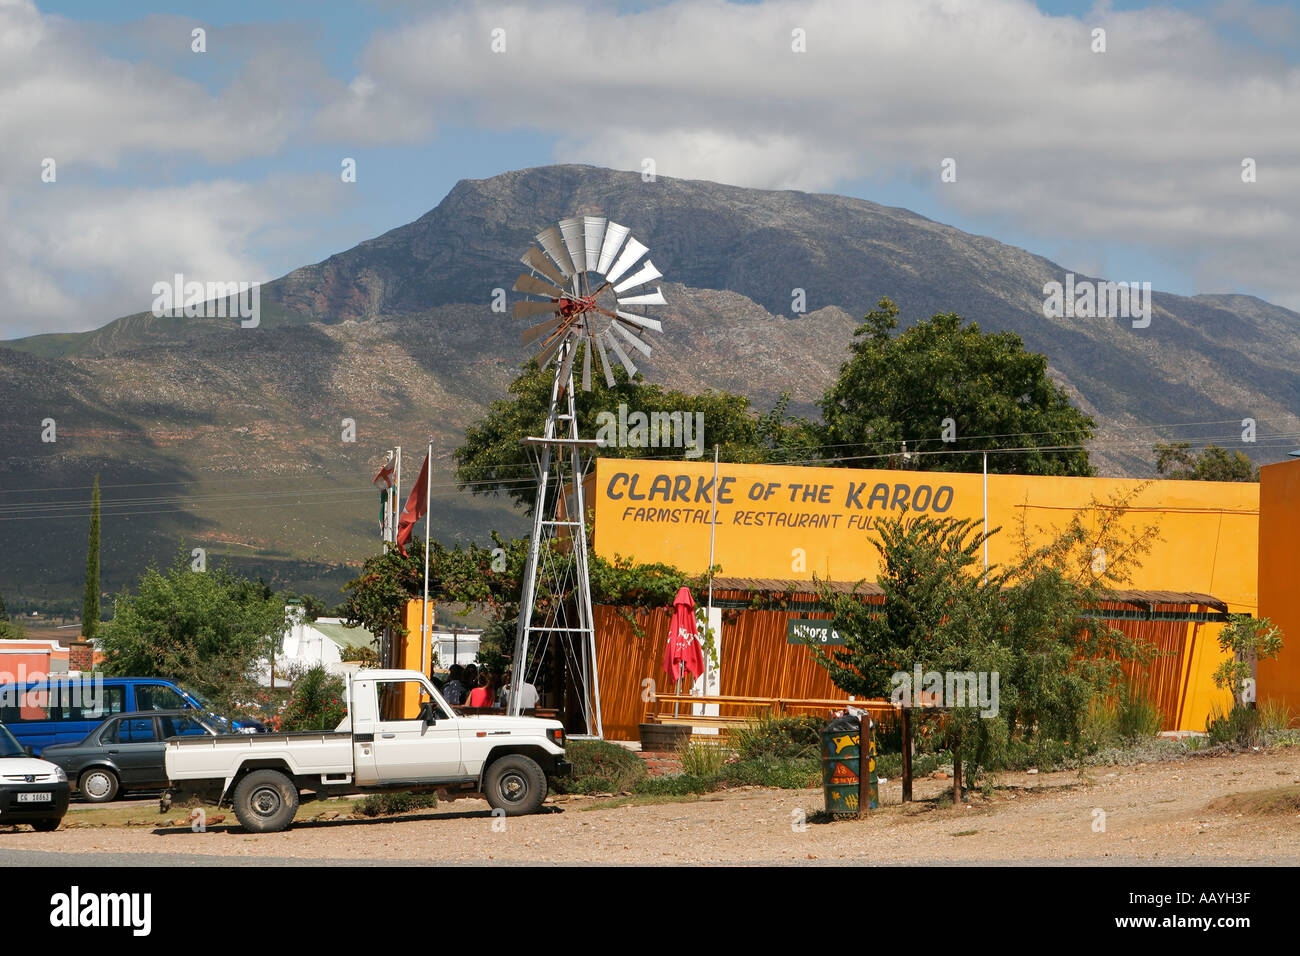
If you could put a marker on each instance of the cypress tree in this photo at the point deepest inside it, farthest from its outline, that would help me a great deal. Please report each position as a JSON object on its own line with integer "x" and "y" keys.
{"x": 90, "y": 607}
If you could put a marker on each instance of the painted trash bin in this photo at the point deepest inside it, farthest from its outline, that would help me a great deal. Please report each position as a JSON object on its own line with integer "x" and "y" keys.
{"x": 842, "y": 755}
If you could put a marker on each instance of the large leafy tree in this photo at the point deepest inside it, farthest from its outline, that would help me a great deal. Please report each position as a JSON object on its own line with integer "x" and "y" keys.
{"x": 1034, "y": 624}
{"x": 206, "y": 630}
{"x": 938, "y": 616}
{"x": 898, "y": 388}
{"x": 492, "y": 460}
{"x": 1212, "y": 463}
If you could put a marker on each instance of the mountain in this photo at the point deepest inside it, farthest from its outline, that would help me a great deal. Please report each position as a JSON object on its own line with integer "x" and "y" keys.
{"x": 208, "y": 435}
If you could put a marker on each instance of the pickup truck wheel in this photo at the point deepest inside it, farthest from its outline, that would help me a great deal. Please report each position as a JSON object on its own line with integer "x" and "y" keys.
{"x": 515, "y": 784}
{"x": 98, "y": 785}
{"x": 265, "y": 801}
{"x": 45, "y": 826}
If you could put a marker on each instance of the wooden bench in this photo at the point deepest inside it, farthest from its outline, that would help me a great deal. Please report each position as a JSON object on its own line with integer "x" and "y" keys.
{"x": 674, "y": 710}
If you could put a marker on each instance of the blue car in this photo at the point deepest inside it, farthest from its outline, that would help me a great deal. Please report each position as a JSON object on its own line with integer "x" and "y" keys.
{"x": 64, "y": 710}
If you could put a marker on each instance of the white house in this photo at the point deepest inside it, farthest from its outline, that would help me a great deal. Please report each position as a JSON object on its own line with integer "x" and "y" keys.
{"x": 306, "y": 643}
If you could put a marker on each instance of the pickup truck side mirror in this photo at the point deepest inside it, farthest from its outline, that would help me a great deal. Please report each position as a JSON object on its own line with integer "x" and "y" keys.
{"x": 28, "y": 750}
{"x": 428, "y": 713}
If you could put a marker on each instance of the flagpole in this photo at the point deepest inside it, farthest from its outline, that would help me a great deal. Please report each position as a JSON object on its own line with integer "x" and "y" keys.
{"x": 428, "y": 520}
{"x": 397, "y": 497}
{"x": 397, "y": 489}
{"x": 713, "y": 531}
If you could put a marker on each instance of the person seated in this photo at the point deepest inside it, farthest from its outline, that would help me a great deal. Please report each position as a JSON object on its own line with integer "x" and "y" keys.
{"x": 527, "y": 693}
{"x": 482, "y": 696}
{"x": 454, "y": 690}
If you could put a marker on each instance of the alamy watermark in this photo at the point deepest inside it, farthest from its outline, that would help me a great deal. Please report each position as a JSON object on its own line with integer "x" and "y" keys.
{"x": 211, "y": 300}
{"x": 38, "y": 690}
{"x": 1086, "y": 299}
{"x": 946, "y": 689}
{"x": 655, "y": 430}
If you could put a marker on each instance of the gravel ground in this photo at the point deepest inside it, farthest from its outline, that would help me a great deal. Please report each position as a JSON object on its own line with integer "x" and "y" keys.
{"x": 1153, "y": 814}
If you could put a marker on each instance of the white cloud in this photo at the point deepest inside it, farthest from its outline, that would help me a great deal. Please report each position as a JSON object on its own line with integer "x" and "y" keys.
{"x": 82, "y": 255}
{"x": 1141, "y": 144}
{"x": 76, "y": 252}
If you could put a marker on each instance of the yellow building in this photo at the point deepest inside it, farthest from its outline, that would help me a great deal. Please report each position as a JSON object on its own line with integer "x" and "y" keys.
{"x": 1279, "y": 578}
{"x": 786, "y": 524}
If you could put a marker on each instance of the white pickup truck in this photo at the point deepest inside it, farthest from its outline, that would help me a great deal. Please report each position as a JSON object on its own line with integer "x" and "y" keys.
{"x": 509, "y": 760}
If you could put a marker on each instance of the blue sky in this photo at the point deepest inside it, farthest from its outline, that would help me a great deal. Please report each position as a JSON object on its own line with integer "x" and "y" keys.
{"x": 225, "y": 164}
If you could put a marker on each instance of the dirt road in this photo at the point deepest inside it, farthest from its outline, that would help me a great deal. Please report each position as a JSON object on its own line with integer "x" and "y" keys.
{"x": 1149, "y": 814}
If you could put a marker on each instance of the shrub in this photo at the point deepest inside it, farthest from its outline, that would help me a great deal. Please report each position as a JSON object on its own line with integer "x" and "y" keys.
{"x": 778, "y": 738}
{"x": 1239, "y": 726}
{"x": 316, "y": 702}
{"x": 1137, "y": 715}
{"x": 1274, "y": 716}
{"x": 382, "y": 804}
{"x": 781, "y": 774}
{"x": 601, "y": 767}
{"x": 889, "y": 765}
{"x": 701, "y": 759}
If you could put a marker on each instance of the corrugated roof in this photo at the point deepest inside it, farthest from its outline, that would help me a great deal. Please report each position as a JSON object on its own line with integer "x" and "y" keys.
{"x": 1139, "y": 598}
{"x": 345, "y": 636}
{"x": 782, "y": 585}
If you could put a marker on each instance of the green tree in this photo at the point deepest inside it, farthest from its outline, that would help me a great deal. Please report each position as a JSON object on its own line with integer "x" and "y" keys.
{"x": 1177, "y": 460}
{"x": 317, "y": 701}
{"x": 207, "y": 630}
{"x": 492, "y": 578}
{"x": 90, "y": 603}
{"x": 10, "y": 630}
{"x": 1033, "y": 624}
{"x": 1250, "y": 640}
{"x": 902, "y": 388}
{"x": 492, "y": 461}
{"x": 936, "y": 616}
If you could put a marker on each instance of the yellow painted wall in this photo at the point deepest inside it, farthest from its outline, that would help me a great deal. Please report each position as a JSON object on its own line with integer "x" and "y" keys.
{"x": 793, "y": 522}
{"x": 1279, "y": 578}
{"x": 414, "y": 652}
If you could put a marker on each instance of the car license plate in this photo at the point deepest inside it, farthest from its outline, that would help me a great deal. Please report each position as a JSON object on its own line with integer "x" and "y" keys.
{"x": 40, "y": 797}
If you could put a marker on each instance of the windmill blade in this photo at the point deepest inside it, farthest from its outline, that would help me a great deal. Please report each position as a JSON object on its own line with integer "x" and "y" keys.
{"x": 646, "y": 273}
{"x": 536, "y": 260}
{"x": 604, "y": 360}
{"x": 586, "y": 364}
{"x": 649, "y": 298}
{"x": 593, "y": 234}
{"x": 528, "y": 310}
{"x": 535, "y": 286}
{"x": 571, "y": 230}
{"x": 553, "y": 343}
{"x": 537, "y": 331}
{"x": 635, "y": 342}
{"x": 640, "y": 321}
{"x": 633, "y": 251}
{"x": 549, "y": 239}
{"x": 614, "y": 236}
{"x": 622, "y": 356}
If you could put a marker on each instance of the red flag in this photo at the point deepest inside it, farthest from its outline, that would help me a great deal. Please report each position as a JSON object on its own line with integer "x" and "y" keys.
{"x": 385, "y": 473}
{"x": 416, "y": 505}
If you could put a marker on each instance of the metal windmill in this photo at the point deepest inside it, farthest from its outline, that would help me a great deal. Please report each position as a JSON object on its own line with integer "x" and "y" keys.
{"x": 583, "y": 271}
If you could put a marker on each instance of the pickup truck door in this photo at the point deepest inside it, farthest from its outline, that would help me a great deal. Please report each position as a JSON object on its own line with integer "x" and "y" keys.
{"x": 414, "y": 748}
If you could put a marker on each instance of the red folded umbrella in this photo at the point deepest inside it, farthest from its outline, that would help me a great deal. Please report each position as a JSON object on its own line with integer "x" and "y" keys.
{"x": 683, "y": 651}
